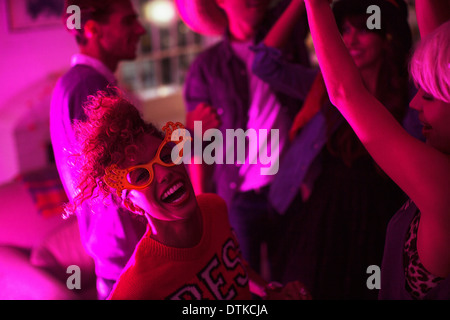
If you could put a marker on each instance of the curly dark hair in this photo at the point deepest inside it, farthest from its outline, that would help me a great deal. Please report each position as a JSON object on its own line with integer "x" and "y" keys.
{"x": 112, "y": 124}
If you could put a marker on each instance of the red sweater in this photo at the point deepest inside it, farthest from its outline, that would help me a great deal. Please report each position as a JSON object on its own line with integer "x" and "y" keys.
{"x": 213, "y": 269}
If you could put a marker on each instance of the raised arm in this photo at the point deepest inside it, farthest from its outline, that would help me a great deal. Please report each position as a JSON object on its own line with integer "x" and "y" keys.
{"x": 198, "y": 104}
{"x": 281, "y": 31}
{"x": 269, "y": 64}
{"x": 431, "y": 14}
{"x": 420, "y": 170}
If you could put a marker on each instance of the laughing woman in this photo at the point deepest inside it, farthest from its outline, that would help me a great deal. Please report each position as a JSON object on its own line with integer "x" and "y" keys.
{"x": 189, "y": 250}
{"x": 416, "y": 261}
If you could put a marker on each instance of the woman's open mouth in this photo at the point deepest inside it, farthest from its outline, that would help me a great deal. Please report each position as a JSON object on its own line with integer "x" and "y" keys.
{"x": 175, "y": 194}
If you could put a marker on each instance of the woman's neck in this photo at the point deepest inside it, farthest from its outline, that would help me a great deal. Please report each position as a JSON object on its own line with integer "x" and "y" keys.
{"x": 178, "y": 234}
{"x": 370, "y": 77}
{"x": 241, "y": 31}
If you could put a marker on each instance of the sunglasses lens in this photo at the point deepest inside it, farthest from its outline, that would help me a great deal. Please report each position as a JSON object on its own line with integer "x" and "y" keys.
{"x": 138, "y": 177}
{"x": 166, "y": 153}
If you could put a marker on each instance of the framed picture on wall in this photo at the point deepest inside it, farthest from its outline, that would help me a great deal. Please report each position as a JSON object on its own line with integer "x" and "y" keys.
{"x": 25, "y": 15}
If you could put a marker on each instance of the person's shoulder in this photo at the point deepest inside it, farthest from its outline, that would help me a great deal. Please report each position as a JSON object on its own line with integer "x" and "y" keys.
{"x": 210, "y": 54}
{"x": 81, "y": 75}
{"x": 81, "y": 81}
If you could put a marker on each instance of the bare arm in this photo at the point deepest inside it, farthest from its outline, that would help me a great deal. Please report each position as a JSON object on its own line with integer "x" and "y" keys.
{"x": 420, "y": 170}
{"x": 431, "y": 14}
{"x": 201, "y": 173}
{"x": 198, "y": 104}
{"x": 269, "y": 65}
{"x": 280, "y": 33}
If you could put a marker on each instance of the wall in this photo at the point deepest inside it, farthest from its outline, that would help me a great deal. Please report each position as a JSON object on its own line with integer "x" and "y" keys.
{"x": 27, "y": 56}
{"x": 29, "y": 60}
{"x": 160, "y": 111}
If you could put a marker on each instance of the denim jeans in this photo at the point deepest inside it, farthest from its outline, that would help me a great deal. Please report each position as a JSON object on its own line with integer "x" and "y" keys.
{"x": 255, "y": 222}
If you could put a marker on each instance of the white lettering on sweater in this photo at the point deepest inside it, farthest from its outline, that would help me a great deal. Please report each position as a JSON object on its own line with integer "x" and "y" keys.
{"x": 212, "y": 276}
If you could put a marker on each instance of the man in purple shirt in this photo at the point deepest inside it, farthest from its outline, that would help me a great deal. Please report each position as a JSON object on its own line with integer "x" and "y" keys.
{"x": 109, "y": 33}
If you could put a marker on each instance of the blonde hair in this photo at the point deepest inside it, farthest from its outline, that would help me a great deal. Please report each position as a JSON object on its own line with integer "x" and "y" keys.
{"x": 430, "y": 64}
